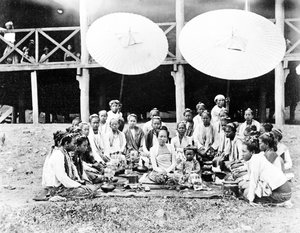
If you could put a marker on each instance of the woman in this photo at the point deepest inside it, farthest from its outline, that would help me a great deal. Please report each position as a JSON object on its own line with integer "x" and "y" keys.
{"x": 134, "y": 141}
{"x": 200, "y": 107}
{"x": 115, "y": 143}
{"x": 282, "y": 149}
{"x": 268, "y": 146}
{"x": 267, "y": 183}
{"x": 163, "y": 159}
{"x": 151, "y": 136}
{"x": 204, "y": 137}
{"x": 249, "y": 121}
{"x": 60, "y": 176}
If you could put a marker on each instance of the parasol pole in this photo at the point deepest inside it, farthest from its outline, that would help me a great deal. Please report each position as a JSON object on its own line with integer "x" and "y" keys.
{"x": 178, "y": 73}
{"x": 279, "y": 71}
{"x": 83, "y": 75}
{"x": 121, "y": 88}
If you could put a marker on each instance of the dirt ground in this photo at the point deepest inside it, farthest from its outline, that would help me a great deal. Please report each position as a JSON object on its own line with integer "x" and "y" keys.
{"x": 21, "y": 162}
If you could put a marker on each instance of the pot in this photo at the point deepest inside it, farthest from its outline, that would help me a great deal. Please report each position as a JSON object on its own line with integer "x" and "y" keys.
{"x": 207, "y": 176}
{"x": 230, "y": 188}
{"x": 107, "y": 187}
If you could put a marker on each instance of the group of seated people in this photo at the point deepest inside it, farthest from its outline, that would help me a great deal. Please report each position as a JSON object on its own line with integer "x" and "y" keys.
{"x": 88, "y": 153}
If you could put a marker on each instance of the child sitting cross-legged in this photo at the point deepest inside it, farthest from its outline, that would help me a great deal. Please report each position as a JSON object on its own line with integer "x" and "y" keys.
{"x": 190, "y": 168}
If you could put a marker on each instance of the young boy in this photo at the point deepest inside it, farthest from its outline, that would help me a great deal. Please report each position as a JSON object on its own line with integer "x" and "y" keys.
{"x": 114, "y": 111}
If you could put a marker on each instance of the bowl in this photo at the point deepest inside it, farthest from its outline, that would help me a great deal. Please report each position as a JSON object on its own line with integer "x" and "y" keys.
{"x": 107, "y": 187}
{"x": 220, "y": 175}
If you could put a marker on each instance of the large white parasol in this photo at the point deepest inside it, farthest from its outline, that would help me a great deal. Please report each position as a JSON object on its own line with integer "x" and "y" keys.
{"x": 127, "y": 43}
{"x": 232, "y": 44}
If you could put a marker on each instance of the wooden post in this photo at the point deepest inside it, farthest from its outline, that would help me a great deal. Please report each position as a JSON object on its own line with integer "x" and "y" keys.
{"x": 36, "y": 46}
{"x": 84, "y": 77}
{"x": 178, "y": 73}
{"x": 279, "y": 71}
{"x": 34, "y": 94}
{"x": 21, "y": 100}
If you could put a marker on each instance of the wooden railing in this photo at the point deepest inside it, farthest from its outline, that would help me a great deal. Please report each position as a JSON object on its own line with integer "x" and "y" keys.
{"x": 50, "y": 37}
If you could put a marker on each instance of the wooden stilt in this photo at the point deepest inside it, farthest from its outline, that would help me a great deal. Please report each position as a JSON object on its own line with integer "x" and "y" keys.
{"x": 279, "y": 71}
{"x": 34, "y": 94}
{"x": 178, "y": 73}
{"x": 84, "y": 78}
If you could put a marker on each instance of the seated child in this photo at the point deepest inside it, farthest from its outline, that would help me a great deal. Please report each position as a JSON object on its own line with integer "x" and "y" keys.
{"x": 190, "y": 166}
{"x": 282, "y": 149}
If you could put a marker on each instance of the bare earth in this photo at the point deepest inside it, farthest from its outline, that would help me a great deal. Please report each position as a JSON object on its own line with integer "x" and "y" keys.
{"x": 21, "y": 161}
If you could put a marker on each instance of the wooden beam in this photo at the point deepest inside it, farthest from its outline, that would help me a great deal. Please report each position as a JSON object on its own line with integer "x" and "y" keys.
{"x": 279, "y": 71}
{"x": 178, "y": 73}
{"x": 84, "y": 79}
{"x": 34, "y": 94}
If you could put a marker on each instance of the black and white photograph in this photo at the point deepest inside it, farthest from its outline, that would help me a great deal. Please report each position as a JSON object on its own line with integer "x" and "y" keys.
{"x": 150, "y": 116}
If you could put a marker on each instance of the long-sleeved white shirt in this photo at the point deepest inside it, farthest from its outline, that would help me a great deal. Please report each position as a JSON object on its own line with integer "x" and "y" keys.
{"x": 54, "y": 173}
{"x": 283, "y": 149}
{"x": 261, "y": 171}
{"x": 97, "y": 145}
{"x": 114, "y": 142}
{"x": 244, "y": 125}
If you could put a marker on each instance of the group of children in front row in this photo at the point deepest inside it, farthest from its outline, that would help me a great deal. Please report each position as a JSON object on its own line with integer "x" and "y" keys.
{"x": 87, "y": 152}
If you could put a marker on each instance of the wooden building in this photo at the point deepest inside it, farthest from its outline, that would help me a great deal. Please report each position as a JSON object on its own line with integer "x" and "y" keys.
{"x": 81, "y": 85}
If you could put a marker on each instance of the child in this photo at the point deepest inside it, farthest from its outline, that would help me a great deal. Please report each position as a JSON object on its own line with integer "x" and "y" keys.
{"x": 204, "y": 137}
{"x": 103, "y": 123}
{"x": 266, "y": 182}
{"x": 114, "y": 111}
{"x": 249, "y": 122}
{"x": 151, "y": 136}
{"x": 220, "y": 103}
{"x": 134, "y": 142}
{"x": 268, "y": 146}
{"x": 180, "y": 141}
{"x": 115, "y": 143}
{"x": 191, "y": 165}
{"x": 188, "y": 117}
{"x": 200, "y": 107}
{"x": 282, "y": 149}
